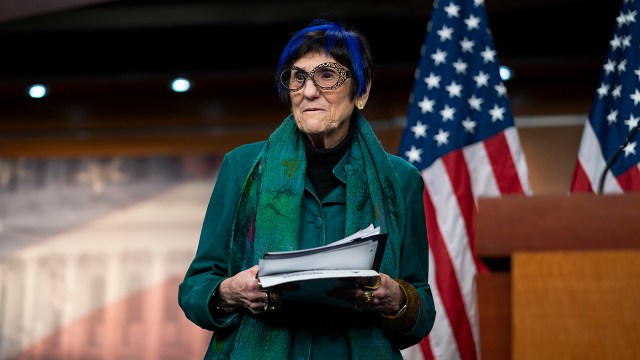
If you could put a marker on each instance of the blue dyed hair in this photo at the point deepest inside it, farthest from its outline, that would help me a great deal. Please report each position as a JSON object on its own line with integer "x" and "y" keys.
{"x": 348, "y": 47}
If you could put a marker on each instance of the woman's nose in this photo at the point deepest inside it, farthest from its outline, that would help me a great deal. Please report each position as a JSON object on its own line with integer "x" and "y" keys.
{"x": 310, "y": 89}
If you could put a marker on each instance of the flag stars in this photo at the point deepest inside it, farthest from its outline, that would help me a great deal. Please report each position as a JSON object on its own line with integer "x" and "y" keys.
{"x": 481, "y": 79}
{"x": 445, "y": 33}
{"x": 631, "y": 16}
{"x": 414, "y": 154}
{"x": 453, "y": 130}
{"x": 467, "y": 45}
{"x": 469, "y": 125}
{"x": 637, "y": 73}
{"x": 622, "y": 66}
{"x": 475, "y": 102}
{"x": 454, "y": 89}
{"x": 611, "y": 118}
{"x": 632, "y": 122}
{"x": 497, "y": 113}
{"x": 628, "y": 18}
{"x": 615, "y": 42}
{"x": 472, "y": 22}
{"x": 501, "y": 90}
{"x": 488, "y": 55}
{"x": 617, "y": 91}
{"x": 630, "y": 149}
{"x": 447, "y": 113}
{"x": 440, "y": 57}
{"x": 609, "y": 67}
{"x": 460, "y": 66}
{"x": 452, "y": 10}
{"x": 426, "y": 105}
{"x": 433, "y": 81}
{"x": 635, "y": 97}
{"x": 603, "y": 90}
{"x": 442, "y": 138}
{"x": 626, "y": 41}
{"x": 419, "y": 130}
{"x": 462, "y": 90}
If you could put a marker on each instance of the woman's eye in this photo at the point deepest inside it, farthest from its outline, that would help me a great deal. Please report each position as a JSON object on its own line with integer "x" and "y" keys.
{"x": 328, "y": 74}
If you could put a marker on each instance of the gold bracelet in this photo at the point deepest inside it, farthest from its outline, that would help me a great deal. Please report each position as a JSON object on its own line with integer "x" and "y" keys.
{"x": 402, "y": 310}
{"x": 215, "y": 299}
{"x": 408, "y": 314}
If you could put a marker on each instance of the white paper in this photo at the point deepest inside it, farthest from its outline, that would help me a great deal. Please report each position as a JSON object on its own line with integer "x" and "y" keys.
{"x": 357, "y": 256}
{"x": 355, "y": 251}
{"x": 313, "y": 273}
{"x": 273, "y": 280}
{"x": 368, "y": 231}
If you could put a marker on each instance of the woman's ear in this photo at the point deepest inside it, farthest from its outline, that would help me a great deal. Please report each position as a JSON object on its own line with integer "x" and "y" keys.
{"x": 361, "y": 101}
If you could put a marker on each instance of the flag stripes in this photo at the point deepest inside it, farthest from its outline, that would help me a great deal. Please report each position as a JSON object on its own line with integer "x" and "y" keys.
{"x": 614, "y": 115}
{"x": 461, "y": 137}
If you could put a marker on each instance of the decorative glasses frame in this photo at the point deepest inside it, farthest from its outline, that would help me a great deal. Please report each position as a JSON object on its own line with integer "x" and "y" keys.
{"x": 343, "y": 75}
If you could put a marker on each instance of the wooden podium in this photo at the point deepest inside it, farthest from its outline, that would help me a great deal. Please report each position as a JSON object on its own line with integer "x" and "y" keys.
{"x": 571, "y": 289}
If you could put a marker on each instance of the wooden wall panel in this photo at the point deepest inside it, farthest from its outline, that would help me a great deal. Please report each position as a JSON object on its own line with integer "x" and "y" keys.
{"x": 577, "y": 222}
{"x": 494, "y": 311}
{"x": 576, "y": 305}
{"x": 551, "y": 154}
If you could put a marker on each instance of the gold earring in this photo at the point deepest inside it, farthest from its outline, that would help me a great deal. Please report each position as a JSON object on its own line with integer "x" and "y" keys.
{"x": 359, "y": 105}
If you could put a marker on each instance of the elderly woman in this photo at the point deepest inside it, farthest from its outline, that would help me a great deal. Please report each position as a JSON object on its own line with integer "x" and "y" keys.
{"x": 320, "y": 176}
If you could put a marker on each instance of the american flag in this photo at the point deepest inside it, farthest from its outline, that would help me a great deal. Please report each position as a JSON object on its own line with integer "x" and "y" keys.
{"x": 460, "y": 134}
{"x": 614, "y": 115}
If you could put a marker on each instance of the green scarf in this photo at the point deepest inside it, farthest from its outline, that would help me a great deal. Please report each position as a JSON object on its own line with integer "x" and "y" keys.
{"x": 268, "y": 219}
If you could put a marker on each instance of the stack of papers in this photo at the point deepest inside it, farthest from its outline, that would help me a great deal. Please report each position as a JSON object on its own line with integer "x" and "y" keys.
{"x": 318, "y": 270}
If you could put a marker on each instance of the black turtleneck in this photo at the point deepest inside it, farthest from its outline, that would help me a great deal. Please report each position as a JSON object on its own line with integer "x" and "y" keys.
{"x": 320, "y": 163}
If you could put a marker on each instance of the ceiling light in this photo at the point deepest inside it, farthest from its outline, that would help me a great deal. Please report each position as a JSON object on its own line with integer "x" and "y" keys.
{"x": 37, "y": 91}
{"x": 505, "y": 73}
{"x": 180, "y": 85}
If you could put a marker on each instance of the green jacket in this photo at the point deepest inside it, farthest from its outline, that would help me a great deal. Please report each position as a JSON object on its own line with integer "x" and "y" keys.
{"x": 318, "y": 331}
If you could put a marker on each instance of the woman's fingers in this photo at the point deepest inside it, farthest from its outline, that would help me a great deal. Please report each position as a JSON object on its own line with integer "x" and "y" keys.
{"x": 373, "y": 294}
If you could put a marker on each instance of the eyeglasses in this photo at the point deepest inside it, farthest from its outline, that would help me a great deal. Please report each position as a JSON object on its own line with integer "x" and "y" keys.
{"x": 326, "y": 76}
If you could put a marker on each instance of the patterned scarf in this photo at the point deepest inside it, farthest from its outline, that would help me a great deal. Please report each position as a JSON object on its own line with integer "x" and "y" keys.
{"x": 268, "y": 219}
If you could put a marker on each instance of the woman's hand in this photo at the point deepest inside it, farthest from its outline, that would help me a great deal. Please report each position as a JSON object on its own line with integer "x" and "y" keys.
{"x": 243, "y": 290}
{"x": 388, "y": 298}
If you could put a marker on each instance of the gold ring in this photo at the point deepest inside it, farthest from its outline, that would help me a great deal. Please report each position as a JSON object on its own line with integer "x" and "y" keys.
{"x": 373, "y": 282}
{"x": 267, "y": 304}
{"x": 367, "y": 298}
